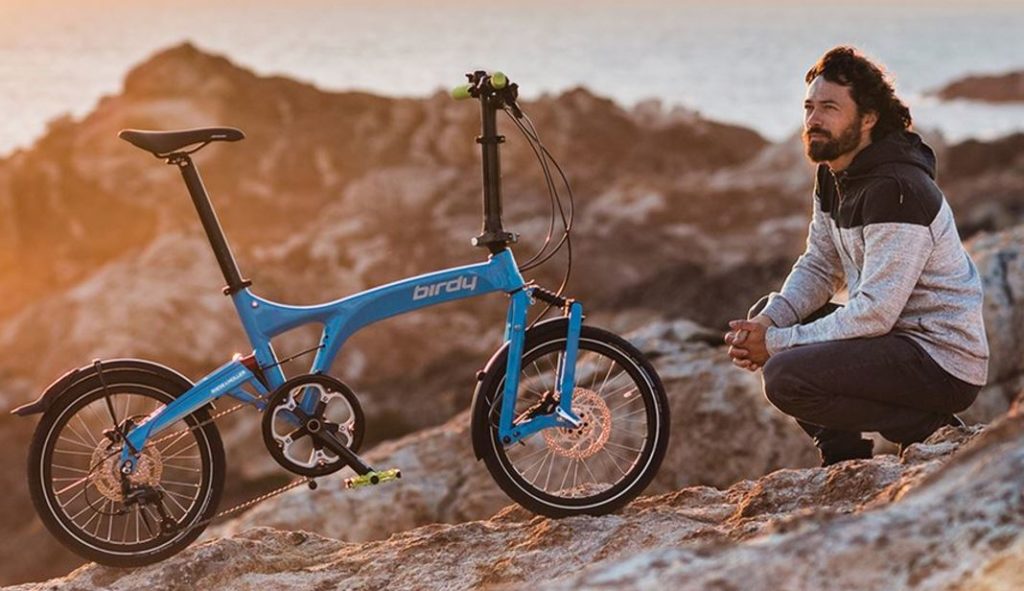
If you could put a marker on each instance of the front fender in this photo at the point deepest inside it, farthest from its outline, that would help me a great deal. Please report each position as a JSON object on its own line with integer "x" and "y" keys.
{"x": 79, "y": 375}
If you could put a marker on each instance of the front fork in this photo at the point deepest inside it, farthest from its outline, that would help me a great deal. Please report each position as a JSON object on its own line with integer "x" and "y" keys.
{"x": 565, "y": 373}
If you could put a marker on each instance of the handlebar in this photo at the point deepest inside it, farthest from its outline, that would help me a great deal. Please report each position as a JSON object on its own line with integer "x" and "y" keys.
{"x": 494, "y": 87}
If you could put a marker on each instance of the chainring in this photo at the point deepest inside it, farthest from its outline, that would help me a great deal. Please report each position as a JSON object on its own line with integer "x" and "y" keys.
{"x": 336, "y": 409}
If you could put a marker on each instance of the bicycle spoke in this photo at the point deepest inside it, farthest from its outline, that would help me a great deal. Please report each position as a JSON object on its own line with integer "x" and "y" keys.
{"x": 614, "y": 459}
{"x": 565, "y": 477}
{"x": 79, "y": 435}
{"x": 124, "y": 532}
{"x": 554, "y": 373}
{"x": 630, "y": 385}
{"x": 586, "y": 466}
{"x": 99, "y": 521}
{"x": 73, "y": 442}
{"x": 627, "y": 402}
{"x": 526, "y": 470}
{"x": 69, "y": 468}
{"x": 178, "y": 453}
{"x": 183, "y": 468}
{"x": 179, "y": 483}
{"x": 611, "y": 366}
{"x": 626, "y": 416}
{"x": 622, "y": 446}
{"x": 174, "y": 500}
{"x": 183, "y": 496}
{"x": 176, "y": 438}
{"x": 73, "y": 453}
{"x": 83, "y": 510}
{"x": 547, "y": 479}
{"x": 540, "y": 466}
{"x": 84, "y": 479}
{"x": 65, "y": 504}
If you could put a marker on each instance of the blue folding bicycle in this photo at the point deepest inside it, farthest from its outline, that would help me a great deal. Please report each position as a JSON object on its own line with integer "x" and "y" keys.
{"x": 126, "y": 466}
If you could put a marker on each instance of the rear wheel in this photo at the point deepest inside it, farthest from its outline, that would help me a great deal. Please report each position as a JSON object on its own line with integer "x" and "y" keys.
{"x": 598, "y": 467}
{"x": 77, "y": 489}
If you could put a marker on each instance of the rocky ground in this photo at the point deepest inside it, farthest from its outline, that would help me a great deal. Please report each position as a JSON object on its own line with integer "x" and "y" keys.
{"x": 948, "y": 515}
{"x": 336, "y": 192}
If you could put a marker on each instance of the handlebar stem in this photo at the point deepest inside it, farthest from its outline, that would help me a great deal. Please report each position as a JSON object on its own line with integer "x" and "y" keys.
{"x": 493, "y": 237}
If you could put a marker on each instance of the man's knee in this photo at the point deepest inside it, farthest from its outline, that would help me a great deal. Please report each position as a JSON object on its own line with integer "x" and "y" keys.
{"x": 781, "y": 387}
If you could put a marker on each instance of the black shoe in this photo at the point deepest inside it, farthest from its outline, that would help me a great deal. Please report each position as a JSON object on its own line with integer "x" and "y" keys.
{"x": 833, "y": 452}
{"x": 951, "y": 421}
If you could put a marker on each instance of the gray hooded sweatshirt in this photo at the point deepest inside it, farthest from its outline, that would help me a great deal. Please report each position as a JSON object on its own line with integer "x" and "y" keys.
{"x": 884, "y": 226}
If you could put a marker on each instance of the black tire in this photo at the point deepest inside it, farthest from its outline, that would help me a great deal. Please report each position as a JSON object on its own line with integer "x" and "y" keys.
{"x": 192, "y": 483}
{"x": 645, "y": 424}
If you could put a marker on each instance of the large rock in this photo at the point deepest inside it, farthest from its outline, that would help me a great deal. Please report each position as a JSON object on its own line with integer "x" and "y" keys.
{"x": 984, "y": 182}
{"x": 1000, "y": 261}
{"x": 938, "y": 518}
{"x": 998, "y": 88}
{"x": 958, "y": 528}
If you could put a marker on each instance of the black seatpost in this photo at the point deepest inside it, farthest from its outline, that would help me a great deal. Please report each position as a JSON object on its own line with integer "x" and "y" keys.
{"x": 211, "y": 224}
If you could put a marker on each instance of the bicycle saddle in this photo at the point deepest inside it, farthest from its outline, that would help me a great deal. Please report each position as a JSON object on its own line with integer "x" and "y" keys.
{"x": 162, "y": 143}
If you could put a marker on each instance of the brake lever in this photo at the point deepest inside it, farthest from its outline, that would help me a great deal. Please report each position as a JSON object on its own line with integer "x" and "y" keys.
{"x": 511, "y": 96}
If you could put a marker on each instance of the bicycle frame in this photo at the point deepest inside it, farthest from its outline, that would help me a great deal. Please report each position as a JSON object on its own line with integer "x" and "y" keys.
{"x": 263, "y": 320}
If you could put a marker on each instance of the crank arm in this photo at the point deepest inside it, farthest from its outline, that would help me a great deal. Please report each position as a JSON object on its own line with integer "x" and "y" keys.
{"x": 331, "y": 442}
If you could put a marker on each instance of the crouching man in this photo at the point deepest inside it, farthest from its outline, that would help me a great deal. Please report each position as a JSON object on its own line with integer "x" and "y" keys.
{"x": 908, "y": 350}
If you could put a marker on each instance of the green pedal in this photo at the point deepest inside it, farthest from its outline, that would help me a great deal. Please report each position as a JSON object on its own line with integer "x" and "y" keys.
{"x": 372, "y": 478}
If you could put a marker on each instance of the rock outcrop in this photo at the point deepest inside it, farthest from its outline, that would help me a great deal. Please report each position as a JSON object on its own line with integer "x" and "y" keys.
{"x": 993, "y": 88}
{"x": 984, "y": 182}
{"x": 949, "y": 515}
{"x": 1000, "y": 261}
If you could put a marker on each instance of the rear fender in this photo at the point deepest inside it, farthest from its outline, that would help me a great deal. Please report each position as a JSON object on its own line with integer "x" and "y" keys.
{"x": 111, "y": 367}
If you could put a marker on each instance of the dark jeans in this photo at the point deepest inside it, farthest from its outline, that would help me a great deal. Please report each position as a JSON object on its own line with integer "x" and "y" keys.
{"x": 887, "y": 384}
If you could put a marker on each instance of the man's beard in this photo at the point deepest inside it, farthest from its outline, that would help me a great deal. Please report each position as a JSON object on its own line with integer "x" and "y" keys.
{"x": 832, "y": 148}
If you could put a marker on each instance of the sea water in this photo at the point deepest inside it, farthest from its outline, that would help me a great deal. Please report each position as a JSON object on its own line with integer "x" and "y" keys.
{"x": 739, "y": 61}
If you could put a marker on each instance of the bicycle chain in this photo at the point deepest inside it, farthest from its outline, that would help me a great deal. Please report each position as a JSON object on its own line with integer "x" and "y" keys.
{"x": 244, "y": 504}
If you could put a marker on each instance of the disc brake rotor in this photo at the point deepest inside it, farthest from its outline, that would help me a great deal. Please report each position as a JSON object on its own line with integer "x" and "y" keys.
{"x": 593, "y": 432}
{"x": 106, "y": 476}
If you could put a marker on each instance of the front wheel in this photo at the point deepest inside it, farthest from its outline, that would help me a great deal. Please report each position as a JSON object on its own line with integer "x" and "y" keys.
{"x": 597, "y": 468}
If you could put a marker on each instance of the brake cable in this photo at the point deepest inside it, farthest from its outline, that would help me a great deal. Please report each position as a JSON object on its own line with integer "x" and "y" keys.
{"x": 543, "y": 155}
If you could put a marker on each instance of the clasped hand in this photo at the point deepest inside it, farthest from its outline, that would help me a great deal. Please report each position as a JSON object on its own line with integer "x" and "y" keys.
{"x": 746, "y": 342}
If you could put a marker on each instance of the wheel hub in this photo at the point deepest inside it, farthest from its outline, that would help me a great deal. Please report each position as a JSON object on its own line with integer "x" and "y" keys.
{"x": 592, "y": 434}
{"x": 106, "y": 474}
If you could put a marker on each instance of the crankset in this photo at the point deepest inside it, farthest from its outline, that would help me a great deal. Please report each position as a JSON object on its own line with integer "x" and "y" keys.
{"x": 313, "y": 425}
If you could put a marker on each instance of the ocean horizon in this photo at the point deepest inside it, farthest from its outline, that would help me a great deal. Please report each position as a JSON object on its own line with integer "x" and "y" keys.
{"x": 735, "y": 61}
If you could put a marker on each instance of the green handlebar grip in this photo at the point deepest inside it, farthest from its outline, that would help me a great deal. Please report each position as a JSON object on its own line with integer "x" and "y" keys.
{"x": 499, "y": 80}
{"x": 461, "y": 92}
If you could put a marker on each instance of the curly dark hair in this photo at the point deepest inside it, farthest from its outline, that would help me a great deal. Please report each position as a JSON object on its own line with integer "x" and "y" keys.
{"x": 869, "y": 85}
